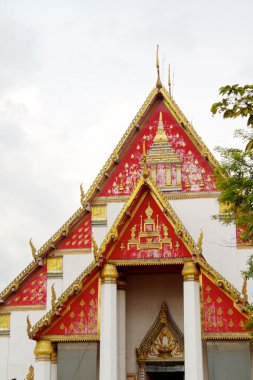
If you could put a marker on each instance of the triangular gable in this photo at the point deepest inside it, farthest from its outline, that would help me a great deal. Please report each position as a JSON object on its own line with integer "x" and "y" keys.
{"x": 223, "y": 312}
{"x": 32, "y": 294}
{"x": 79, "y": 238}
{"x": 73, "y": 236}
{"x": 175, "y": 162}
{"x": 75, "y": 314}
{"x": 147, "y": 230}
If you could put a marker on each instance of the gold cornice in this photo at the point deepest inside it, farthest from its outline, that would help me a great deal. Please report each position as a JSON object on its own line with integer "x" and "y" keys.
{"x": 169, "y": 196}
{"x": 73, "y": 251}
{"x": 72, "y": 338}
{"x": 227, "y": 336}
{"x": 75, "y": 286}
{"x": 147, "y": 262}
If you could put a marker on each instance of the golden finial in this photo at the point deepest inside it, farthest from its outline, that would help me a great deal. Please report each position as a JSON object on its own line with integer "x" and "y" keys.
{"x": 244, "y": 289}
{"x": 200, "y": 241}
{"x": 82, "y": 195}
{"x": 95, "y": 247}
{"x": 169, "y": 81}
{"x": 158, "y": 82}
{"x": 30, "y": 375}
{"x": 53, "y": 296}
{"x": 33, "y": 249}
{"x": 161, "y": 116}
{"x": 144, "y": 156}
{"x": 28, "y": 325}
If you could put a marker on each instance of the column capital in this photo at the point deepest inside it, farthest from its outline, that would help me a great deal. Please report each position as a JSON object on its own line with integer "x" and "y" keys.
{"x": 109, "y": 274}
{"x": 190, "y": 271}
{"x": 43, "y": 350}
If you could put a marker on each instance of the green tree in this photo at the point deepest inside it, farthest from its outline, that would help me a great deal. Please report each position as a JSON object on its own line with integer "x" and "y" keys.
{"x": 234, "y": 175}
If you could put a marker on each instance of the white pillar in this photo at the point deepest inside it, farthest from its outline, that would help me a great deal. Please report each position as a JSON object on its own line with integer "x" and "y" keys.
{"x": 192, "y": 324}
{"x": 42, "y": 367}
{"x": 121, "y": 329}
{"x": 54, "y": 364}
{"x": 108, "y": 324}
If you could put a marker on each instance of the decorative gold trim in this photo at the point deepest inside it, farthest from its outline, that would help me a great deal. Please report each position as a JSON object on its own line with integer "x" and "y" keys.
{"x": 223, "y": 285}
{"x": 5, "y": 323}
{"x": 43, "y": 349}
{"x": 222, "y": 336}
{"x": 146, "y": 262}
{"x": 73, "y": 251}
{"x": 72, "y": 338}
{"x": 244, "y": 246}
{"x": 190, "y": 271}
{"x": 163, "y": 342}
{"x": 168, "y": 196}
{"x": 179, "y": 228}
{"x": 22, "y": 308}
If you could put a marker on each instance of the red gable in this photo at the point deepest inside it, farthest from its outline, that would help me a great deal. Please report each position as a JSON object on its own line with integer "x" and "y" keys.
{"x": 219, "y": 313}
{"x": 148, "y": 235}
{"x": 79, "y": 315}
{"x": 181, "y": 168}
{"x": 79, "y": 238}
{"x": 33, "y": 292}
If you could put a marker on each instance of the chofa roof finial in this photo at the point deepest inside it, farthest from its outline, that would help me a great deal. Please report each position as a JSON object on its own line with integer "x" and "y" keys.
{"x": 158, "y": 82}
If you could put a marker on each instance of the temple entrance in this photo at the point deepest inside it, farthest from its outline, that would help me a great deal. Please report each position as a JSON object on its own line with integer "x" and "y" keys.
{"x": 165, "y": 376}
{"x": 165, "y": 371}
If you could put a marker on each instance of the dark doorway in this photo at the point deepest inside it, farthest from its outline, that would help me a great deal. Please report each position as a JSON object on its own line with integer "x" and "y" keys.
{"x": 165, "y": 376}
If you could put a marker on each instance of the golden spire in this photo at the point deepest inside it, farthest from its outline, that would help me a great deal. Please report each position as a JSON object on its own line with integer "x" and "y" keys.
{"x": 82, "y": 195}
{"x": 28, "y": 325}
{"x": 158, "y": 82}
{"x": 161, "y": 116}
{"x": 33, "y": 249}
{"x": 144, "y": 156}
{"x": 169, "y": 81}
{"x": 53, "y": 297}
{"x": 244, "y": 289}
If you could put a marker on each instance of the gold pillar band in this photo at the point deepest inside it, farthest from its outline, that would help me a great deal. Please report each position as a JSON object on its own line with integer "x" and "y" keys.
{"x": 190, "y": 271}
{"x": 43, "y": 350}
{"x": 109, "y": 274}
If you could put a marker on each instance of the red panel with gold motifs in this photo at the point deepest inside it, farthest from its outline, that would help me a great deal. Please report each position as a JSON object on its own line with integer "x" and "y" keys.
{"x": 219, "y": 313}
{"x": 80, "y": 313}
{"x": 149, "y": 235}
{"x": 239, "y": 241}
{"x": 187, "y": 170}
{"x": 33, "y": 292}
{"x": 79, "y": 238}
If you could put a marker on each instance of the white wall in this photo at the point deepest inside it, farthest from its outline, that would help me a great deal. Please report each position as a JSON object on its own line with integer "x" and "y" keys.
{"x": 219, "y": 243}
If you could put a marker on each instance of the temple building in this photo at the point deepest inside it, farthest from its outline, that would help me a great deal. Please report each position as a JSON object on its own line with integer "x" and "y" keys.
{"x": 140, "y": 283}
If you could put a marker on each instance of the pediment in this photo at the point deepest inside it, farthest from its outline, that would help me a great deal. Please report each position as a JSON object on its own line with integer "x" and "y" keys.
{"x": 147, "y": 231}
{"x": 163, "y": 342}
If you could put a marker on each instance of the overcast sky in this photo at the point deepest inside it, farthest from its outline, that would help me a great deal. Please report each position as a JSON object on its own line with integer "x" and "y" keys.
{"x": 73, "y": 74}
